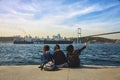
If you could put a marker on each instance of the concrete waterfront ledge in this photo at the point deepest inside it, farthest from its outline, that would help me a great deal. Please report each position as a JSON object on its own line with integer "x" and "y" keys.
{"x": 86, "y": 72}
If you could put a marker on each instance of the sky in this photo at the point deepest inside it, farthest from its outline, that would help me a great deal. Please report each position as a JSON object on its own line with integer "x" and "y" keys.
{"x": 51, "y": 17}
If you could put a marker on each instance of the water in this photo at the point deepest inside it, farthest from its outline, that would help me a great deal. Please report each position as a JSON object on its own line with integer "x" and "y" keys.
{"x": 29, "y": 54}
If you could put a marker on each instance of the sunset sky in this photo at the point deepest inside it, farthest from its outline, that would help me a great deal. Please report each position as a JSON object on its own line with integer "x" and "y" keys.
{"x": 50, "y": 17}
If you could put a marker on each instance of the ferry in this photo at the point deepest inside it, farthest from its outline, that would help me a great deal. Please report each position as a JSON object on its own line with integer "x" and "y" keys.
{"x": 29, "y": 40}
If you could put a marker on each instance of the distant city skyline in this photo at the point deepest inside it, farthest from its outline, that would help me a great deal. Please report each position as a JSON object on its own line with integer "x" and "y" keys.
{"x": 44, "y": 18}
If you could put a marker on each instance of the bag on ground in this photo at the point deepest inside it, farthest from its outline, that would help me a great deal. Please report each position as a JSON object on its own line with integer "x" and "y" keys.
{"x": 49, "y": 66}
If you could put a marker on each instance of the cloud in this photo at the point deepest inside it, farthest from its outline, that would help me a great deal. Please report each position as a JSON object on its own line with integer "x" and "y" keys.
{"x": 41, "y": 16}
{"x": 37, "y": 9}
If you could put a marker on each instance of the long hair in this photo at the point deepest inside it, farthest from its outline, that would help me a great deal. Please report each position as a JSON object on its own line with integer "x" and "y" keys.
{"x": 45, "y": 48}
{"x": 70, "y": 48}
{"x": 56, "y": 47}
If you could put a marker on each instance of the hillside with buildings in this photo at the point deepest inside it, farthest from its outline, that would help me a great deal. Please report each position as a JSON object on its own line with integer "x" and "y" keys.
{"x": 95, "y": 40}
{"x": 75, "y": 40}
{"x": 6, "y": 39}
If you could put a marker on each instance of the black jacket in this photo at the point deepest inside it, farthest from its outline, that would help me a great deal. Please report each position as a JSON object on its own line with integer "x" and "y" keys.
{"x": 59, "y": 58}
{"x": 73, "y": 57}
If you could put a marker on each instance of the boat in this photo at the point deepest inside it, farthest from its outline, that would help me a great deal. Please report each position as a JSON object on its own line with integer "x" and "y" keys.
{"x": 21, "y": 40}
{"x": 53, "y": 42}
{"x": 44, "y": 42}
{"x": 29, "y": 40}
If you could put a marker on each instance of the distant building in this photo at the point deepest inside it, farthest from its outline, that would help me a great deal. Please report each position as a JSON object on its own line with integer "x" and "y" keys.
{"x": 57, "y": 37}
{"x": 48, "y": 38}
{"x": 117, "y": 41}
{"x": 28, "y": 38}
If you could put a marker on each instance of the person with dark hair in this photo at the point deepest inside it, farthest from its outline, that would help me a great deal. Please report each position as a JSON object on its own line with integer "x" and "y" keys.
{"x": 59, "y": 57}
{"x": 46, "y": 56}
{"x": 73, "y": 56}
{"x": 69, "y": 50}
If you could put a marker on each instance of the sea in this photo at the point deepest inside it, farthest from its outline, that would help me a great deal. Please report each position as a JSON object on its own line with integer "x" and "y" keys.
{"x": 29, "y": 54}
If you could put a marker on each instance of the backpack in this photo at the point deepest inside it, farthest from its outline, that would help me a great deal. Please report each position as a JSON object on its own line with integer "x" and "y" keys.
{"x": 48, "y": 65}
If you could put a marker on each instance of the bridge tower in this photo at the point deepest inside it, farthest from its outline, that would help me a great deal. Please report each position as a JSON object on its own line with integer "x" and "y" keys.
{"x": 79, "y": 35}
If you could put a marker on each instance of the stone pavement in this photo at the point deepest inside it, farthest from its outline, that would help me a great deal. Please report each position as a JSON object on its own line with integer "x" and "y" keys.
{"x": 32, "y": 72}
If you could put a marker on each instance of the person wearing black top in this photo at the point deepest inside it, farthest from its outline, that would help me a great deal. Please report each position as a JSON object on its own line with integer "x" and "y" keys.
{"x": 59, "y": 57}
{"x": 73, "y": 56}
